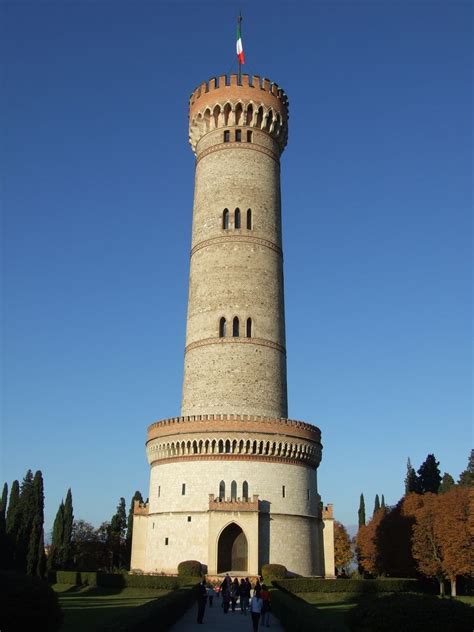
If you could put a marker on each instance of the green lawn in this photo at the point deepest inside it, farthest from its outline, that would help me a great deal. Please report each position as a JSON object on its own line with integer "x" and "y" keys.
{"x": 93, "y": 608}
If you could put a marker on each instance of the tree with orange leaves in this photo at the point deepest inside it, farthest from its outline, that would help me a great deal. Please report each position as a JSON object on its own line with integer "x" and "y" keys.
{"x": 342, "y": 547}
{"x": 442, "y": 542}
{"x": 368, "y": 553}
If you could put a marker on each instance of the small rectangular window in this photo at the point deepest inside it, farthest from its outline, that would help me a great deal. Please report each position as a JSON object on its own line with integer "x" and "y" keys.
{"x": 226, "y": 136}
{"x": 238, "y": 135}
{"x": 283, "y": 491}
{"x": 183, "y": 489}
{"x": 159, "y": 491}
{"x": 153, "y": 525}
{"x": 249, "y": 136}
{"x": 166, "y": 541}
{"x": 307, "y": 494}
{"x": 189, "y": 518}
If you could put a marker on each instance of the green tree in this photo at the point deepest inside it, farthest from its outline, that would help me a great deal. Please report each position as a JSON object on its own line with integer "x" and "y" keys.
{"x": 12, "y": 525}
{"x": 382, "y": 504}
{"x": 412, "y": 483}
{"x": 361, "y": 511}
{"x": 26, "y": 515}
{"x": 116, "y": 535}
{"x": 35, "y": 557}
{"x": 466, "y": 478}
{"x": 54, "y": 557}
{"x": 447, "y": 482}
{"x": 66, "y": 547}
{"x": 136, "y": 496}
{"x": 377, "y": 503}
{"x": 3, "y": 528}
{"x": 429, "y": 475}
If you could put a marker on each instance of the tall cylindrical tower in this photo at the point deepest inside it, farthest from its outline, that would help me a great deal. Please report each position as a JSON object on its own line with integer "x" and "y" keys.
{"x": 235, "y": 343}
{"x": 233, "y": 480}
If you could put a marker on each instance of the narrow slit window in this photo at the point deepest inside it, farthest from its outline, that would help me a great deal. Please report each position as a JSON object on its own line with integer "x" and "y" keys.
{"x": 238, "y": 135}
{"x": 249, "y": 219}
{"x": 237, "y": 218}
{"x": 307, "y": 494}
{"x": 166, "y": 541}
{"x": 222, "y": 327}
{"x": 249, "y": 136}
{"x": 222, "y": 490}
{"x": 226, "y": 136}
{"x": 249, "y": 327}
{"x": 159, "y": 491}
{"x": 233, "y": 490}
{"x": 245, "y": 491}
{"x": 183, "y": 489}
{"x": 235, "y": 327}
{"x": 283, "y": 491}
{"x": 225, "y": 219}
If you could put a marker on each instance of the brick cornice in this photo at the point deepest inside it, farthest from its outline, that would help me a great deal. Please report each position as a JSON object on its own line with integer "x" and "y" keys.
{"x": 250, "y": 146}
{"x": 250, "y": 239}
{"x": 236, "y": 457}
{"x": 203, "y": 424}
{"x": 231, "y": 340}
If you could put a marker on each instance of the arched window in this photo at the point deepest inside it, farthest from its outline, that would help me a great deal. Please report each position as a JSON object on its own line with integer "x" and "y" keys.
{"x": 225, "y": 219}
{"x": 222, "y": 327}
{"x": 249, "y": 219}
{"x": 237, "y": 218}
{"x": 222, "y": 490}
{"x": 235, "y": 327}
{"x": 249, "y": 327}
{"x": 245, "y": 491}
{"x": 233, "y": 490}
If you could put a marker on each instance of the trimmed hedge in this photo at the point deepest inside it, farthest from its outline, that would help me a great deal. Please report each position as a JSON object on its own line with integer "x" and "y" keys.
{"x": 28, "y": 603}
{"x": 410, "y": 613}
{"x": 190, "y": 568}
{"x": 362, "y": 586}
{"x": 274, "y": 571}
{"x": 123, "y": 580}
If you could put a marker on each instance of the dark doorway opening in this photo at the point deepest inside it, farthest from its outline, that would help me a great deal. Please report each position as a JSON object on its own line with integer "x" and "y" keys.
{"x": 232, "y": 551}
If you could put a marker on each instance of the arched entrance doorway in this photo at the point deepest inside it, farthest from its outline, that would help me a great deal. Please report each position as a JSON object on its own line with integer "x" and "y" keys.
{"x": 232, "y": 550}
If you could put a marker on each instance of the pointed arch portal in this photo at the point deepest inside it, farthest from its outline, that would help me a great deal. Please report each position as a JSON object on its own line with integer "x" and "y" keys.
{"x": 232, "y": 551}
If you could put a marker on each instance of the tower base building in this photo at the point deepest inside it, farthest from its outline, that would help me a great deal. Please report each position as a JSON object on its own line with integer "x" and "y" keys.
{"x": 233, "y": 481}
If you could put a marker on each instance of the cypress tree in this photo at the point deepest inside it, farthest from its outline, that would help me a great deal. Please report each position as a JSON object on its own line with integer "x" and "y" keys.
{"x": 35, "y": 551}
{"x": 67, "y": 531}
{"x": 412, "y": 483}
{"x": 361, "y": 511}
{"x": 116, "y": 533}
{"x": 377, "y": 503}
{"x": 54, "y": 557}
{"x": 466, "y": 478}
{"x": 12, "y": 525}
{"x": 136, "y": 496}
{"x": 3, "y": 528}
{"x": 447, "y": 483}
{"x": 429, "y": 475}
{"x": 26, "y": 515}
{"x": 382, "y": 504}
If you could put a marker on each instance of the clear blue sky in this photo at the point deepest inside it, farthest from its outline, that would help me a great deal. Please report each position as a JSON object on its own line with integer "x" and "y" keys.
{"x": 97, "y": 193}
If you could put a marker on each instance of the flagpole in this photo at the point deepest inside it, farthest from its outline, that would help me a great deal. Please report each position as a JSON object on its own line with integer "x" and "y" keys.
{"x": 239, "y": 75}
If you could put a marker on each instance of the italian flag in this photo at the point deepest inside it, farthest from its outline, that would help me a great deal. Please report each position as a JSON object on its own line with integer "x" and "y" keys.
{"x": 240, "y": 48}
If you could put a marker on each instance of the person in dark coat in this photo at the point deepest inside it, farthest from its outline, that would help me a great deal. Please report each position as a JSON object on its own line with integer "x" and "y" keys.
{"x": 201, "y": 601}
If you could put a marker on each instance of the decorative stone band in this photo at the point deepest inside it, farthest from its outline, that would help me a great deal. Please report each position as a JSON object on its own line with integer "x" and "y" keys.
{"x": 252, "y": 439}
{"x": 233, "y": 504}
{"x": 249, "y": 146}
{"x": 246, "y": 341}
{"x": 247, "y": 239}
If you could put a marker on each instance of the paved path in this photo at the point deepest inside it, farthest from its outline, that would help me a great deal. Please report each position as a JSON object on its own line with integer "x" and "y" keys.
{"x": 215, "y": 619}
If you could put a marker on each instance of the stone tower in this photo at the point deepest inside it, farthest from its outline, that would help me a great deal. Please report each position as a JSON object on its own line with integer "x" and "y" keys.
{"x": 233, "y": 480}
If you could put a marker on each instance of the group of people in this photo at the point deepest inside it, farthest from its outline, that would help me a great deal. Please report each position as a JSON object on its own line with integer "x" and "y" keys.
{"x": 253, "y": 599}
